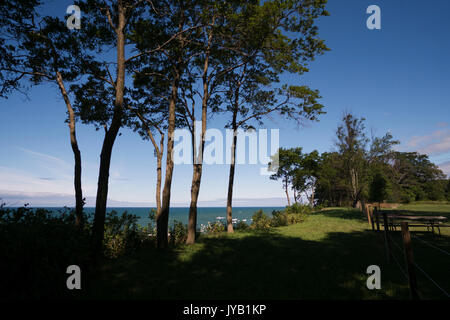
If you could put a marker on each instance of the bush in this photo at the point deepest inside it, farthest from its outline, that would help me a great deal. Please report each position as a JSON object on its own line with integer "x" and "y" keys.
{"x": 215, "y": 227}
{"x": 295, "y": 218}
{"x": 36, "y": 247}
{"x": 123, "y": 235}
{"x": 279, "y": 219}
{"x": 178, "y": 233}
{"x": 241, "y": 225}
{"x": 260, "y": 221}
{"x": 298, "y": 209}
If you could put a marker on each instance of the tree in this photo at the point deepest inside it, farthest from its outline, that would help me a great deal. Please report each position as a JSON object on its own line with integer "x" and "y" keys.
{"x": 305, "y": 177}
{"x": 43, "y": 53}
{"x": 214, "y": 18}
{"x": 100, "y": 96}
{"x": 415, "y": 177}
{"x": 351, "y": 143}
{"x": 177, "y": 29}
{"x": 447, "y": 190}
{"x": 331, "y": 185}
{"x": 284, "y": 164}
{"x": 378, "y": 188}
{"x": 264, "y": 52}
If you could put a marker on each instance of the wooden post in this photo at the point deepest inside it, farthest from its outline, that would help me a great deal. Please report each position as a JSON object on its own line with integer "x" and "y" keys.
{"x": 366, "y": 210}
{"x": 409, "y": 258}
{"x": 375, "y": 211}
{"x": 386, "y": 237}
{"x": 371, "y": 217}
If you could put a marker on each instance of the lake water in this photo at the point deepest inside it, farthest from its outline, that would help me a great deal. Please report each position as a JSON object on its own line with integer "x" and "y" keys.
{"x": 204, "y": 214}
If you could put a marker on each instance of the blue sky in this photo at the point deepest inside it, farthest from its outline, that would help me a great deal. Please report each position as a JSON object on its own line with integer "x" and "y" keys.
{"x": 398, "y": 78}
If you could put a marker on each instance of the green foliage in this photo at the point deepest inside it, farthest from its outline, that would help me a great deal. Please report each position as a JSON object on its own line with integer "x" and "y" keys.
{"x": 378, "y": 188}
{"x": 123, "y": 235}
{"x": 213, "y": 228}
{"x": 151, "y": 226}
{"x": 241, "y": 225}
{"x": 298, "y": 208}
{"x": 260, "y": 221}
{"x": 291, "y": 215}
{"x": 447, "y": 192}
{"x": 373, "y": 171}
{"x": 279, "y": 219}
{"x": 36, "y": 247}
{"x": 295, "y": 218}
{"x": 178, "y": 233}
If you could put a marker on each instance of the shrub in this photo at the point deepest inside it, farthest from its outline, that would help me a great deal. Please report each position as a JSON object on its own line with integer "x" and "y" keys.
{"x": 295, "y": 218}
{"x": 279, "y": 219}
{"x": 178, "y": 233}
{"x": 123, "y": 235}
{"x": 36, "y": 247}
{"x": 298, "y": 208}
{"x": 215, "y": 227}
{"x": 260, "y": 221}
{"x": 241, "y": 225}
{"x": 151, "y": 226}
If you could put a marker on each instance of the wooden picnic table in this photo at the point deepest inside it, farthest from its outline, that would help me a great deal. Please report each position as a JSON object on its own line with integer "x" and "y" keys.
{"x": 418, "y": 221}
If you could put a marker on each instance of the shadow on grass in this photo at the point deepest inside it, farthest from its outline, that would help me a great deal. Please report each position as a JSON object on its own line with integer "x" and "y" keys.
{"x": 254, "y": 266}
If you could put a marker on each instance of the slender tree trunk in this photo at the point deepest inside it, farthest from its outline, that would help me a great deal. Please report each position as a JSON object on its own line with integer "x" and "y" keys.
{"x": 195, "y": 189}
{"x": 162, "y": 219}
{"x": 295, "y": 196}
{"x": 355, "y": 186}
{"x": 287, "y": 193}
{"x": 79, "y": 202}
{"x": 110, "y": 136}
{"x": 159, "y": 156}
{"x": 196, "y": 176}
{"x": 311, "y": 200}
{"x": 231, "y": 177}
{"x": 198, "y": 165}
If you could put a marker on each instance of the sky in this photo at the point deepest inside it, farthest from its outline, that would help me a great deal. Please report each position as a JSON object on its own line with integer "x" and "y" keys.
{"x": 397, "y": 77}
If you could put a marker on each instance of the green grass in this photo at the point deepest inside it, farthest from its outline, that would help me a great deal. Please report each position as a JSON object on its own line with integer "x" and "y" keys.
{"x": 325, "y": 257}
{"x": 440, "y": 208}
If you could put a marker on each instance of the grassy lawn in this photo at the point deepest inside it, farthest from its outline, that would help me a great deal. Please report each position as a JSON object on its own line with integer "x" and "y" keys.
{"x": 325, "y": 257}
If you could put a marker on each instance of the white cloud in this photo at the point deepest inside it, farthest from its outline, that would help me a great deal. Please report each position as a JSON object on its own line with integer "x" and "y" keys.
{"x": 15, "y": 179}
{"x": 46, "y": 174}
{"x": 445, "y": 166}
{"x": 51, "y": 160}
{"x": 436, "y": 143}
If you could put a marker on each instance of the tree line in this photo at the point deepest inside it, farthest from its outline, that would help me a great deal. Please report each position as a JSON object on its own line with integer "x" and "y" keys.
{"x": 359, "y": 169}
{"x": 154, "y": 66}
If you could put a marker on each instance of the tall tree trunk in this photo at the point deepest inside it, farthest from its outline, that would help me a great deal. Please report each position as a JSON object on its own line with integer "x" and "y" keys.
{"x": 195, "y": 189}
{"x": 311, "y": 199}
{"x": 162, "y": 219}
{"x": 355, "y": 186}
{"x": 159, "y": 156}
{"x": 231, "y": 177}
{"x": 295, "y": 195}
{"x": 287, "y": 193}
{"x": 110, "y": 136}
{"x": 198, "y": 165}
{"x": 197, "y": 174}
{"x": 79, "y": 202}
